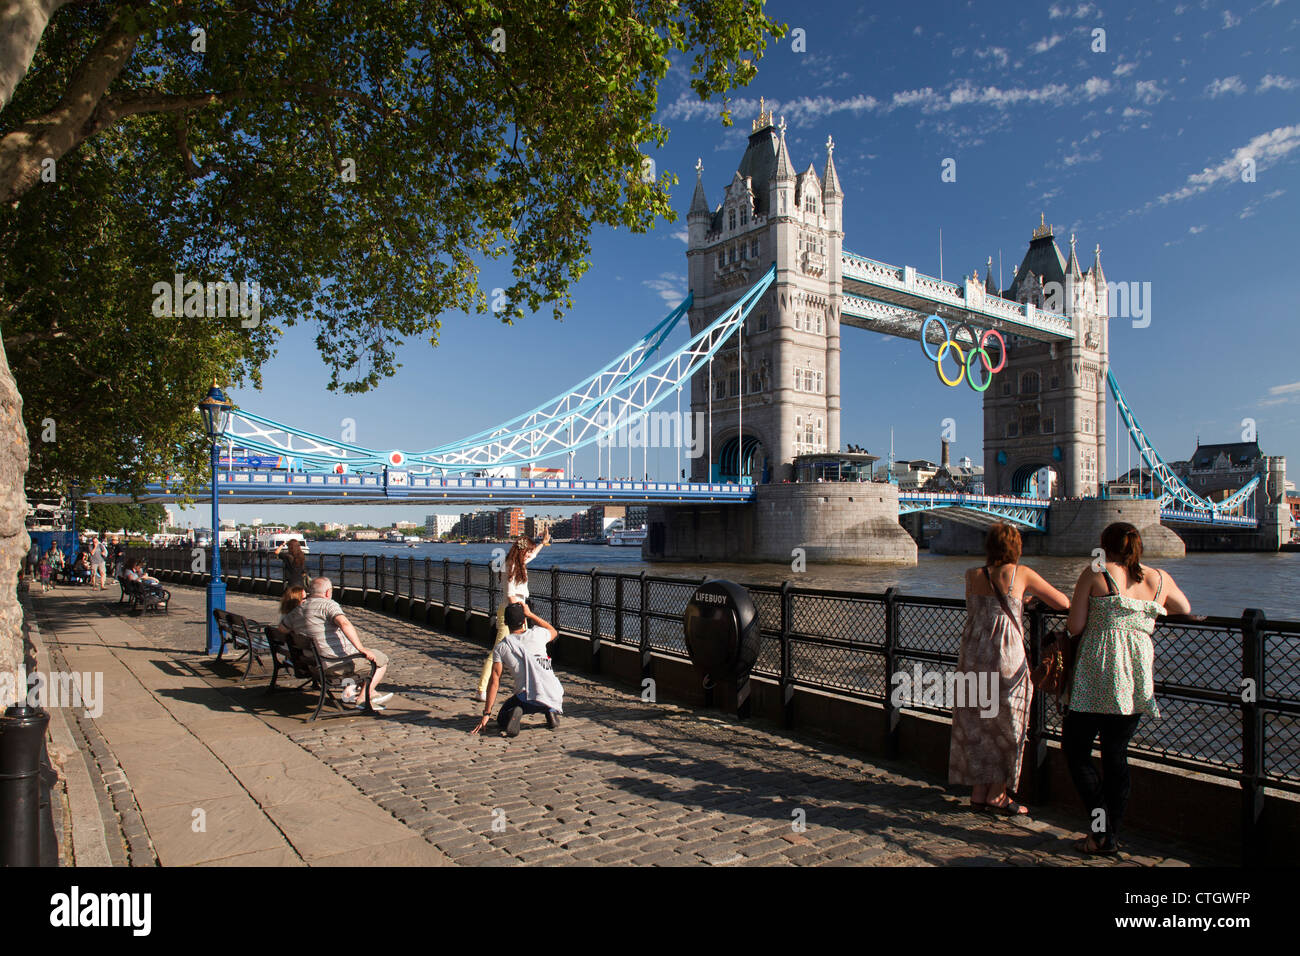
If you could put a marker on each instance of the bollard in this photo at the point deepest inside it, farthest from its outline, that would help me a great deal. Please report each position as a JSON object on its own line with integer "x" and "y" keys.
{"x": 22, "y": 743}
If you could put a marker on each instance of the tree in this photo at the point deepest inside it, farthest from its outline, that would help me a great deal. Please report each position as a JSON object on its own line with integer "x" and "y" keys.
{"x": 356, "y": 163}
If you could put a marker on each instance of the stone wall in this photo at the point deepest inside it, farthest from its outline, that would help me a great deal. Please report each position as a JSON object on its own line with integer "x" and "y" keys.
{"x": 1075, "y": 528}
{"x": 14, "y": 540}
{"x": 835, "y": 522}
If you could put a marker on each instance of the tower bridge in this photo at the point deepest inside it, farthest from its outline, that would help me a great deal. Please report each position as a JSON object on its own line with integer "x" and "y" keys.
{"x": 771, "y": 286}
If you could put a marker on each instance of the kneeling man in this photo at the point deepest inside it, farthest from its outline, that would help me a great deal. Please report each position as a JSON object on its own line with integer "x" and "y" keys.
{"x": 537, "y": 689}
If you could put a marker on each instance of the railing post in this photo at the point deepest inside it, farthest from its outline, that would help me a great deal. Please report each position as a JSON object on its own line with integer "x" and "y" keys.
{"x": 469, "y": 598}
{"x": 618, "y": 609}
{"x": 787, "y": 668}
{"x": 380, "y": 575}
{"x": 892, "y": 713}
{"x": 647, "y": 670}
{"x": 492, "y": 598}
{"x": 410, "y": 582}
{"x": 446, "y": 588}
{"x": 343, "y": 567}
{"x": 428, "y": 581}
{"x": 555, "y": 604}
{"x": 1037, "y": 742}
{"x": 1252, "y": 734}
{"x": 595, "y": 623}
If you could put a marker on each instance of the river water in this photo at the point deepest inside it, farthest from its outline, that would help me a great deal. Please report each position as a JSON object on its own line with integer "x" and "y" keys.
{"x": 1216, "y": 584}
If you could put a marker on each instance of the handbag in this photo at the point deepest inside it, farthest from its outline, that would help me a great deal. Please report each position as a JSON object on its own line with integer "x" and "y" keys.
{"x": 1053, "y": 674}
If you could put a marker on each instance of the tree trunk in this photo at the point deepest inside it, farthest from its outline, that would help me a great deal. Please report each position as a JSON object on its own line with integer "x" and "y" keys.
{"x": 22, "y": 23}
{"x": 14, "y": 541}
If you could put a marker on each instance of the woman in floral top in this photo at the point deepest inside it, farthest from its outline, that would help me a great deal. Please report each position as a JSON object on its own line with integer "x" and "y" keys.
{"x": 1114, "y": 610}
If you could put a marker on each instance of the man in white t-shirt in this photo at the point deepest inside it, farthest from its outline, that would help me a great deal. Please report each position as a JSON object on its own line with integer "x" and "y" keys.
{"x": 526, "y": 652}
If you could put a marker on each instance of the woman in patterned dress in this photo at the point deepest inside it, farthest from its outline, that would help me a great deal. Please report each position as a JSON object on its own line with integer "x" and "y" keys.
{"x": 1115, "y": 608}
{"x": 987, "y": 743}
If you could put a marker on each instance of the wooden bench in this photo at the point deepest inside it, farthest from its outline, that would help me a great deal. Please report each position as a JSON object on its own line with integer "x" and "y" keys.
{"x": 144, "y": 598}
{"x": 241, "y": 633}
{"x": 328, "y": 674}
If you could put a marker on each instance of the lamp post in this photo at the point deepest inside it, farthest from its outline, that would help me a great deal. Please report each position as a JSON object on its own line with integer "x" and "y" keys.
{"x": 216, "y": 413}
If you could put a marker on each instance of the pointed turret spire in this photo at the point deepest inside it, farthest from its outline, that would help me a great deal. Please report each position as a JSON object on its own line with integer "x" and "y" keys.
{"x": 1097, "y": 275}
{"x": 1073, "y": 268}
{"x": 989, "y": 285}
{"x": 699, "y": 205}
{"x": 831, "y": 181}
{"x": 784, "y": 171}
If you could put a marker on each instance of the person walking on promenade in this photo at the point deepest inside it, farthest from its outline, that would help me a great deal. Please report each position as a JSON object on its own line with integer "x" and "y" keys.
{"x": 537, "y": 690}
{"x": 98, "y": 557}
{"x": 295, "y": 563}
{"x": 44, "y": 568}
{"x": 1114, "y": 611}
{"x": 116, "y": 556}
{"x": 320, "y": 618}
{"x": 513, "y": 588}
{"x": 987, "y": 744}
{"x": 57, "y": 563}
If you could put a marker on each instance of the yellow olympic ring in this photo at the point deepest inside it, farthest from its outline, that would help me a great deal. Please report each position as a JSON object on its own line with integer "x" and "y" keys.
{"x": 961, "y": 363}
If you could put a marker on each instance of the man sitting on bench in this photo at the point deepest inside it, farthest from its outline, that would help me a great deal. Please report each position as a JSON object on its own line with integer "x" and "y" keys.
{"x": 322, "y": 619}
{"x": 537, "y": 690}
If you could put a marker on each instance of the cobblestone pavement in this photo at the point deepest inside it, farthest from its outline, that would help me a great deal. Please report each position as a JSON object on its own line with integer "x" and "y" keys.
{"x": 625, "y": 781}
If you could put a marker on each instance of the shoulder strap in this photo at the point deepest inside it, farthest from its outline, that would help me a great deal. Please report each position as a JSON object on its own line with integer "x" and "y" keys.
{"x": 1006, "y": 608}
{"x": 1014, "y": 572}
{"x": 1111, "y": 586}
{"x": 1160, "y": 583}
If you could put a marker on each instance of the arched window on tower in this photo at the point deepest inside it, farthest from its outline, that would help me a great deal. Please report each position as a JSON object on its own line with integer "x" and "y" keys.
{"x": 753, "y": 248}
{"x": 731, "y": 218}
{"x": 1029, "y": 383}
{"x": 744, "y": 216}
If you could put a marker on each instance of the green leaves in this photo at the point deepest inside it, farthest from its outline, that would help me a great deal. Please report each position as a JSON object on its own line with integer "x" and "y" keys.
{"x": 461, "y": 153}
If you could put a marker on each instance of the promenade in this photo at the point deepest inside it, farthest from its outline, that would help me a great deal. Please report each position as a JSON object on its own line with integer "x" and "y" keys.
{"x": 180, "y": 743}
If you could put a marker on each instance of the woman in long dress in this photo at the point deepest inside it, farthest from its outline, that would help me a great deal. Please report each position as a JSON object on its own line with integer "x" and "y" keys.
{"x": 1115, "y": 611}
{"x": 987, "y": 742}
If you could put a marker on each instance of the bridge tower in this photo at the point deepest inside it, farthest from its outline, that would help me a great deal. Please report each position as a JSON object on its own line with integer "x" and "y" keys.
{"x": 783, "y": 385}
{"x": 1047, "y": 408}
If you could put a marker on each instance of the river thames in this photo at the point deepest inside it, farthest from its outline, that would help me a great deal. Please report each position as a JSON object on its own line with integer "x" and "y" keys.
{"x": 1216, "y": 584}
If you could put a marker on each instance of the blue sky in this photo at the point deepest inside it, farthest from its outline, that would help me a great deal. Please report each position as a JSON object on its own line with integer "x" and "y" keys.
{"x": 1138, "y": 148}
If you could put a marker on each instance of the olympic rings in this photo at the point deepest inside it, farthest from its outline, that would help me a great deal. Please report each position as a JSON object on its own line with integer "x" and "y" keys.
{"x": 965, "y": 360}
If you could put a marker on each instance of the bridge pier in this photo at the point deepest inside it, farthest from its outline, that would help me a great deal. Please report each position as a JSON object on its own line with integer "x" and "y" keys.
{"x": 833, "y": 523}
{"x": 1074, "y": 528}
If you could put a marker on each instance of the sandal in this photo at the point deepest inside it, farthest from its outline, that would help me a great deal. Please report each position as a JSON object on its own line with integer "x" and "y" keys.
{"x": 977, "y": 806}
{"x": 1090, "y": 847}
{"x": 1008, "y": 809}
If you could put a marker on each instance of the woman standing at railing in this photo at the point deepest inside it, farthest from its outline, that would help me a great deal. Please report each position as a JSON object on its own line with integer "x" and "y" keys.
{"x": 988, "y": 736}
{"x": 295, "y": 563}
{"x": 513, "y": 588}
{"x": 1114, "y": 611}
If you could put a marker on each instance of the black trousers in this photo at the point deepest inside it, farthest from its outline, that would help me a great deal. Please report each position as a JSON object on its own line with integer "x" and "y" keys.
{"x": 1105, "y": 794}
{"x": 514, "y": 702}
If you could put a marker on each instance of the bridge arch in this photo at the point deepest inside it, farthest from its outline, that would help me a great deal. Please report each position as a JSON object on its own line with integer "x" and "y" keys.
{"x": 747, "y": 459}
{"x": 1026, "y": 480}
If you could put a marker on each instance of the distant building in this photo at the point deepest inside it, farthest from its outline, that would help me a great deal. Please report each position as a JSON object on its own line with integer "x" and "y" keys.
{"x": 334, "y": 526}
{"x": 435, "y": 526}
{"x": 405, "y": 525}
{"x": 365, "y": 535}
{"x": 509, "y": 523}
{"x": 1216, "y": 471}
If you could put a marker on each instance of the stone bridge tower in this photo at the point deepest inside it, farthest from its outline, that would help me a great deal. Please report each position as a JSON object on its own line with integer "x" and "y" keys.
{"x": 1047, "y": 408}
{"x": 786, "y": 379}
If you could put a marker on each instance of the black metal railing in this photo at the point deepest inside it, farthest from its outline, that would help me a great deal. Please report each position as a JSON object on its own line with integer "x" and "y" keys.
{"x": 1228, "y": 688}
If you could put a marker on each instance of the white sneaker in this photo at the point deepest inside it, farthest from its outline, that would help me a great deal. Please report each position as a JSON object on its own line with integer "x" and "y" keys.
{"x": 381, "y": 699}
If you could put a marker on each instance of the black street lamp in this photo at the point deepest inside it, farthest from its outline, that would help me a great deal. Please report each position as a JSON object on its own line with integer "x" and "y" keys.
{"x": 216, "y": 414}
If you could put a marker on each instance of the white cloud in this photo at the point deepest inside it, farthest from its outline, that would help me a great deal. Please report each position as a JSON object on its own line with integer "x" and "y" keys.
{"x": 1148, "y": 92}
{"x": 1059, "y": 11}
{"x": 998, "y": 54}
{"x": 1229, "y": 21}
{"x": 1222, "y": 87}
{"x": 1265, "y": 149}
{"x": 1196, "y": 230}
{"x": 1292, "y": 388}
{"x": 1046, "y": 43}
{"x": 670, "y": 287}
{"x": 1124, "y": 69}
{"x": 683, "y": 234}
{"x": 1274, "y": 82}
{"x": 1096, "y": 86}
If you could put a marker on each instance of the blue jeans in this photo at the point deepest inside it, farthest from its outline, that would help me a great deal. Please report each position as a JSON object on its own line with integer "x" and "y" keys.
{"x": 517, "y": 701}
